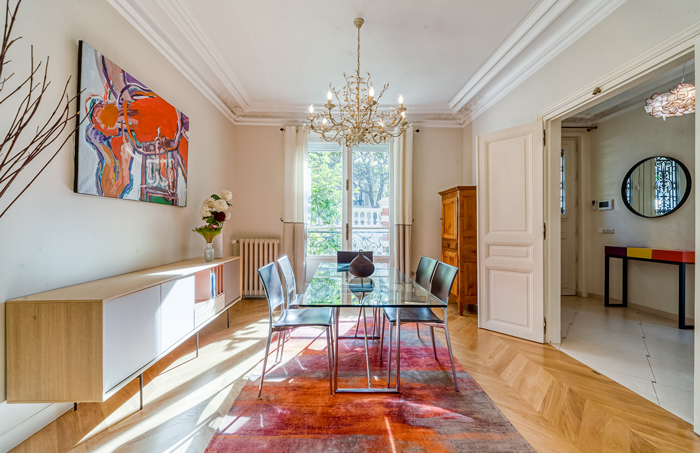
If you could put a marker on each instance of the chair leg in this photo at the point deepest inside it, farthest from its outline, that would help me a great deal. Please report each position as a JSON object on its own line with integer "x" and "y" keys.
{"x": 330, "y": 360}
{"x": 359, "y": 314}
{"x": 277, "y": 352}
{"x": 449, "y": 348}
{"x": 418, "y": 330}
{"x": 381, "y": 339}
{"x": 282, "y": 351}
{"x": 391, "y": 342}
{"x": 432, "y": 335}
{"x": 267, "y": 351}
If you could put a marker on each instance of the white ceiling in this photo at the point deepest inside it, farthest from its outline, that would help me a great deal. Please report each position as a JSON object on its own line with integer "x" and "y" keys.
{"x": 265, "y": 61}
{"x": 287, "y": 52}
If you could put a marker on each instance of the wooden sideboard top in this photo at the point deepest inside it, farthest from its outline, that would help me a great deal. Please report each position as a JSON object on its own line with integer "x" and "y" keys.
{"x": 122, "y": 285}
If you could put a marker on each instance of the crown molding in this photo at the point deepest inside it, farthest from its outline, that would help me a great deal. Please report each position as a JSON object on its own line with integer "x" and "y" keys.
{"x": 175, "y": 31}
{"x": 533, "y": 25}
{"x": 194, "y": 31}
{"x": 141, "y": 19}
{"x": 676, "y": 47}
{"x": 549, "y": 44}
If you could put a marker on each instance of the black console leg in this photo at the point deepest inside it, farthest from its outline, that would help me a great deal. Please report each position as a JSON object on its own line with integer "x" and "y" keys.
{"x": 607, "y": 281}
{"x": 681, "y": 298}
{"x": 624, "y": 282}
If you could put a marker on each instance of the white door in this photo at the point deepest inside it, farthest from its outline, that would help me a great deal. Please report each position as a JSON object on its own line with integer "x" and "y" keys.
{"x": 568, "y": 203}
{"x": 510, "y": 213}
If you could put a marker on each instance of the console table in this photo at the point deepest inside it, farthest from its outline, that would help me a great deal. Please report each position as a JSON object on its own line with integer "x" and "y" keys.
{"x": 678, "y": 257}
{"x": 83, "y": 343}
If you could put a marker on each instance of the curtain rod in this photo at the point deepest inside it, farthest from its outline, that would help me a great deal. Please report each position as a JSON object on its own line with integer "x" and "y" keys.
{"x": 588, "y": 128}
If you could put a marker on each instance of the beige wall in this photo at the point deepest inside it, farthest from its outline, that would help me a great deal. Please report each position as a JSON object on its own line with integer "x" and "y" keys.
{"x": 53, "y": 237}
{"x": 615, "y": 147}
{"x": 437, "y": 166}
{"x": 258, "y": 172}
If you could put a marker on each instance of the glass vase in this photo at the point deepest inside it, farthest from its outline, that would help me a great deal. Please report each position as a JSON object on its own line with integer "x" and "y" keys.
{"x": 209, "y": 253}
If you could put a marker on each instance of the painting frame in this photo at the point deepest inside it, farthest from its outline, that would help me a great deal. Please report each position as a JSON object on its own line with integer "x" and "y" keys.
{"x": 131, "y": 143}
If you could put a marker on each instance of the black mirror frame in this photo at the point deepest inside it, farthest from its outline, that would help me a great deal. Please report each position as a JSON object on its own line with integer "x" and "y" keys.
{"x": 689, "y": 186}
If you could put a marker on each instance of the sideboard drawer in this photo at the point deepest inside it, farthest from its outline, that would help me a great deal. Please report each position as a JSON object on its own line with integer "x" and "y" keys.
{"x": 205, "y": 310}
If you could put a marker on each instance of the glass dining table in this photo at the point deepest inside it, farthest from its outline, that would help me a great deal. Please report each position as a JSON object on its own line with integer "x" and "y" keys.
{"x": 335, "y": 287}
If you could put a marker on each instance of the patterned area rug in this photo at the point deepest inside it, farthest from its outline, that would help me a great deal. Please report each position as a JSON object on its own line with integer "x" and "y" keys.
{"x": 297, "y": 413}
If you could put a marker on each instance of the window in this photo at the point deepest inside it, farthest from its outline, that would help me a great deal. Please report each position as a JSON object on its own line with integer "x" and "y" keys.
{"x": 349, "y": 201}
{"x": 666, "y": 177}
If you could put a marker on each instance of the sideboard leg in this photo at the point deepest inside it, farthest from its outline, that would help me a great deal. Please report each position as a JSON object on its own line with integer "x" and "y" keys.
{"x": 75, "y": 406}
{"x": 228, "y": 319}
{"x": 197, "y": 352}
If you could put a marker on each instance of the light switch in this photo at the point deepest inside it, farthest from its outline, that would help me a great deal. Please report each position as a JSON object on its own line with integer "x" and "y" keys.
{"x": 600, "y": 230}
{"x": 611, "y": 230}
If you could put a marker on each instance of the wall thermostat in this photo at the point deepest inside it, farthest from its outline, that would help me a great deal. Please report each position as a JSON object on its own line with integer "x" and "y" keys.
{"x": 604, "y": 205}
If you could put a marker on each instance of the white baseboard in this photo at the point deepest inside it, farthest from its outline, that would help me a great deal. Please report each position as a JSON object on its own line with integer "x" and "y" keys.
{"x": 29, "y": 426}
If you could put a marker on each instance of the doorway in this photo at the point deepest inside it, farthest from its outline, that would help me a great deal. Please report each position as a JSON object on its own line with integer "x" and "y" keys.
{"x": 639, "y": 170}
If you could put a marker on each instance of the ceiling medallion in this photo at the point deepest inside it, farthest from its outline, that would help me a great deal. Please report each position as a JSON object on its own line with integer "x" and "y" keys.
{"x": 359, "y": 119}
{"x": 677, "y": 102}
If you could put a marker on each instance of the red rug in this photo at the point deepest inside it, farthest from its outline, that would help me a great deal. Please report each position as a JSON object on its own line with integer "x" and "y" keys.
{"x": 297, "y": 413}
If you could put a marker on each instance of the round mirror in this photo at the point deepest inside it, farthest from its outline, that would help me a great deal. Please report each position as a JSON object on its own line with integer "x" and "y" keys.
{"x": 656, "y": 187}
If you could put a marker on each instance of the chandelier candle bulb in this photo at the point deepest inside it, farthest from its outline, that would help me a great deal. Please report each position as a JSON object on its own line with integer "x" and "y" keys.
{"x": 400, "y": 101}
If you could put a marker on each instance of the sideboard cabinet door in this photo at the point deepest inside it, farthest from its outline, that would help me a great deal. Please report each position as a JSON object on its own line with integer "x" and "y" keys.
{"x": 232, "y": 280}
{"x": 176, "y": 310}
{"x": 131, "y": 326}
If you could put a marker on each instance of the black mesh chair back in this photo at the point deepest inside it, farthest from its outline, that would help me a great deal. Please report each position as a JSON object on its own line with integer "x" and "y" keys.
{"x": 443, "y": 279}
{"x": 345, "y": 257}
{"x": 288, "y": 274}
{"x": 425, "y": 271}
{"x": 273, "y": 286}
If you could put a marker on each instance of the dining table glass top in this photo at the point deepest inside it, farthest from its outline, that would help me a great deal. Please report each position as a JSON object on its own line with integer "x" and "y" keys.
{"x": 334, "y": 286}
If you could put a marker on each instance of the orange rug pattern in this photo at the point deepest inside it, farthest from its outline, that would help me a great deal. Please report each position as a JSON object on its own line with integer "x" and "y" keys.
{"x": 298, "y": 414}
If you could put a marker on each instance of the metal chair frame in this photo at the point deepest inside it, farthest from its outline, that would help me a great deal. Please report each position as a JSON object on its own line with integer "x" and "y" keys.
{"x": 275, "y": 298}
{"x": 450, "y": 272}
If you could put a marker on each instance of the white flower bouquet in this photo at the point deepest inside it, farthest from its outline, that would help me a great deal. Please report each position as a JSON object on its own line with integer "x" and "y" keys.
{"x": 214, "y": 211}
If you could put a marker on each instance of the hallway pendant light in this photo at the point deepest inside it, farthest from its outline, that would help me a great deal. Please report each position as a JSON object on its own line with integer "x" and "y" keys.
{"x": 358, "y": 120}
{"x": 677, "y": 102}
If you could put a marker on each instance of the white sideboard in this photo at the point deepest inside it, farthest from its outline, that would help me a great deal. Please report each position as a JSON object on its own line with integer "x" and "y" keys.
{"x": 83, "y": 343}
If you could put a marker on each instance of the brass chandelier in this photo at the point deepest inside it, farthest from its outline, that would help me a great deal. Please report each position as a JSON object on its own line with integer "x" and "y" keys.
{"x": 359, "y": 120}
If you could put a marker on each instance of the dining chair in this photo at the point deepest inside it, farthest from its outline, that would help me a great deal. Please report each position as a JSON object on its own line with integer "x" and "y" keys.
{"x": 440, "y": 286}
{"x": 424, "y": 275}
{"x": 289, "y": 319}
{"x": 289, "y": 282}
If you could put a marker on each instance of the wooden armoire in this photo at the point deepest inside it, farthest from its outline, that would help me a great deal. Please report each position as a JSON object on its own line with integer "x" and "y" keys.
{"x": 459, "y": 241}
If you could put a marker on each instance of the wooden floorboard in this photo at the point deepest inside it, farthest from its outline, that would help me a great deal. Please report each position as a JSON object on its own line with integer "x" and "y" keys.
{"x": 555, "y": 402}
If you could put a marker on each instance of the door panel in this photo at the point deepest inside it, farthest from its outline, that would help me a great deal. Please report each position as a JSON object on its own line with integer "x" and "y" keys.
{"x": 449, "y": 216}
{"x": 510, "y": 216}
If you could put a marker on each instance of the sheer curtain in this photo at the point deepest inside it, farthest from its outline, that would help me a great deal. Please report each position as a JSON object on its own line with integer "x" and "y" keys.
{"x": 401, "y": 211}
{"x": 296, "y": 190}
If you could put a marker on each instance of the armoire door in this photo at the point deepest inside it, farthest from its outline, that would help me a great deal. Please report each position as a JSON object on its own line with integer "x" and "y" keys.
{"x": 510, "y": 216}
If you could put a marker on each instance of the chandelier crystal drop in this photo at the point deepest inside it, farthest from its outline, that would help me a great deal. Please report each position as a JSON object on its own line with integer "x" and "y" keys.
{"x": 359, "y": 119}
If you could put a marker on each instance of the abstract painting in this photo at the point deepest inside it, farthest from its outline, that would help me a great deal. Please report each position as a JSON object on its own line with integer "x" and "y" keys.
{"x": 132, "y": 144}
